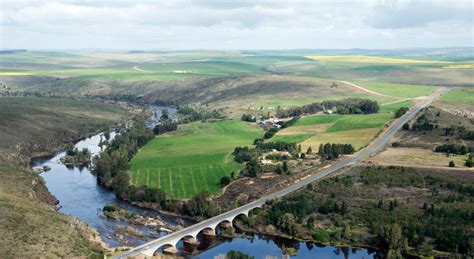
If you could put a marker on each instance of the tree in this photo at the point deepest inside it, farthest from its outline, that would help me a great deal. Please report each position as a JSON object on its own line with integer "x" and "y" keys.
{"x": 285, "y": 166}
{"x": 400, "y": 112}
{"x": 225, "y": 180}
{"x": 470, "y": 161}
{"x": 287, "y": 223}
{"x": 310, "y": 223}
{"x": 309, "y": 151}
{"x": 199, "y": 205}
{"x": 120, "y": 184}
{"x": 164, "y": 114}
{"x": 107, "y": 135}
{"x": 451, "y": 164}
{"x": 253, "y": 168}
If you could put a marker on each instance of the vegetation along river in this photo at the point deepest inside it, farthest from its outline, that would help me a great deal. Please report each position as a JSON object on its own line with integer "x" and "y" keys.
{"x": 81, "y": 196}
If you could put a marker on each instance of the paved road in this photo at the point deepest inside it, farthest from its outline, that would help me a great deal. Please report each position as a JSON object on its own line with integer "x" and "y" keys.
{"x": 377, "y": 144}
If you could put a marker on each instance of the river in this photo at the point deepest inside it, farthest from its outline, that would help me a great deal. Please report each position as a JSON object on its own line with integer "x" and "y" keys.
{"x": 81, "y": 196}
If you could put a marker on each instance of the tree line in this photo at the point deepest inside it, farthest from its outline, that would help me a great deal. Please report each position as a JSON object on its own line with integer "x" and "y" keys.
{"x": 346, "y": 106}
{"x": 332, "y": 151}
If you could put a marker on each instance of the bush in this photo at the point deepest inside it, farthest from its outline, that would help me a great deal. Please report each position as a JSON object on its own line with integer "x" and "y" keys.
{"x": 451, "y": 164}
{"x": 401, "y": 111}
{"x": 225, "y": 180}
{"x": 109, "y": 208}
{"x": 320, "y": 235}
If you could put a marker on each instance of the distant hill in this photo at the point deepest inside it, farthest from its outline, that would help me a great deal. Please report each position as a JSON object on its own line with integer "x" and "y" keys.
{"x": 12, "y": 51}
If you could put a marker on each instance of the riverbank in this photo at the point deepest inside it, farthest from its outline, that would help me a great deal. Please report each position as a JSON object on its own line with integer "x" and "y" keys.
{"x": 34, "y": 126}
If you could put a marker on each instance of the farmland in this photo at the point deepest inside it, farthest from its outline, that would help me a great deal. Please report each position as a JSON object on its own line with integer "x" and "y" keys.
{"x": 357, "y": 130}
{"x": 371, "y": 59}
{"x": 193, "y": 159}
{"x": 398, "y": 90}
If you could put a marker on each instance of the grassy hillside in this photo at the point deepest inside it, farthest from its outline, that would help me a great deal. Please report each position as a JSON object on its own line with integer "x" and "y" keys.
{"x": 193, "y": 159}
{"x": 32, "y": 125}
{"x": 29, "y": 226}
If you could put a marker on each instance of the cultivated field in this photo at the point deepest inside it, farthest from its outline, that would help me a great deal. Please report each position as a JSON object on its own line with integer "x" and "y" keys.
{"x": 398, "y": 90}
{"x": 314, "y": 130}
{"x": 193, "y": 159}
{"x": 372, "y": 59}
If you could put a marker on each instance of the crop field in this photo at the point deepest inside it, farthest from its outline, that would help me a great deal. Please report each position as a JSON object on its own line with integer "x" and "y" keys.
{"x": 357, "y": 130}
{"x": 193, "y": 159}
{"x": 398, "y": 90}
{"x": 372, "y": 59}
{"x": 459, "y": 95}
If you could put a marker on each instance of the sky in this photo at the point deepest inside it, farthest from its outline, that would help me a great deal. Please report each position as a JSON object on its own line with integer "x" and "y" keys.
{"x": 234, "y": 25}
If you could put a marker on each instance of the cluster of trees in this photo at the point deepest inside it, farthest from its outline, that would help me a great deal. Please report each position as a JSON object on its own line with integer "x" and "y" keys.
{"x": 195, "y": 115}
{"x": 300, "y": 110}
{"x": 463, "y": 133}
{"x": 253, "y": 167}
{"x": 76, "y": 156}
{"x": 453, "y": 149}
{"x": 333, "y": 151}
{"x": 352, "y": 106}
{"x": 283, "y": 168}
{"x": 467, "y": 135}
{"x": 423, "y": 124}
{"x": 200, "y": 206}
{"x": 111, "y": 165}
{"x": 346, "y": 106}
{"x": 395, "y": 225}
{"x": 248, "y": 117}
{"x": 165, "y": 126}
{"x": 286, "y": 124}
{"x": 278, "y": 145}
{"x": 245, "y": 154}
{"x": 400, "y": 112}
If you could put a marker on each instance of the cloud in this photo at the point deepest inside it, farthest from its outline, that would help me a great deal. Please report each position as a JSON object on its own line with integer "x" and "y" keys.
{"x": 240, "y": 24}
{"x": 406, "y": 14}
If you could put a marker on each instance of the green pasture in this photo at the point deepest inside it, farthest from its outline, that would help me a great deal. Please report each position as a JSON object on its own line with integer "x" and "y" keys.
{"x": 316, "y": 129}
{"x": 193, "y": 159}
{"x": 461, "y": 95}
{"x": 398, "y": 90}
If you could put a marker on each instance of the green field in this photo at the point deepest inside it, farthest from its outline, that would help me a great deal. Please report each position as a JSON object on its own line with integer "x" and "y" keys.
{"x": 357, "y": 130}
{"x": 398, "y": 90}
{"x": 462, "y": 95}
{"x": 193, "y": 159}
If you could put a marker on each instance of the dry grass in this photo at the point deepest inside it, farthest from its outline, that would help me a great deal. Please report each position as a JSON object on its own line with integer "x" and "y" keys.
{"x": 358, "y": 138}
{"x": 305, "y": 129}
{"x": 417, "y": 157}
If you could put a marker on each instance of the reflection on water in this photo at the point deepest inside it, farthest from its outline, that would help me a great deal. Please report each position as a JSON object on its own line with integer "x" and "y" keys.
{"x": 261, "y": 246}
{"x": 81, "y": 196}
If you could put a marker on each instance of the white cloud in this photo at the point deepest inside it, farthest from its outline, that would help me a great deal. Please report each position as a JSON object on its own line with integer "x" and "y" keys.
{"x": 233, "y": 24}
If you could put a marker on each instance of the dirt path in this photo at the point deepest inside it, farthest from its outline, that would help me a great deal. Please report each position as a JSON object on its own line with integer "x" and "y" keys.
{"x": 367, "y": 90}
{"x": 139, "y": 69}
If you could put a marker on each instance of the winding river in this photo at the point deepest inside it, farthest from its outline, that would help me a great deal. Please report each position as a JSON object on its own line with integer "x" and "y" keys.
{"x": 81, "y": 196}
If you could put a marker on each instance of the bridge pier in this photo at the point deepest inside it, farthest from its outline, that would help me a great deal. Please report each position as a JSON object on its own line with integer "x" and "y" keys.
{"x": 170, "y": 250}
{"x": 190, "y": 240}
{"x": 225, "y": 224}
{"x": 209, "y": 232}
